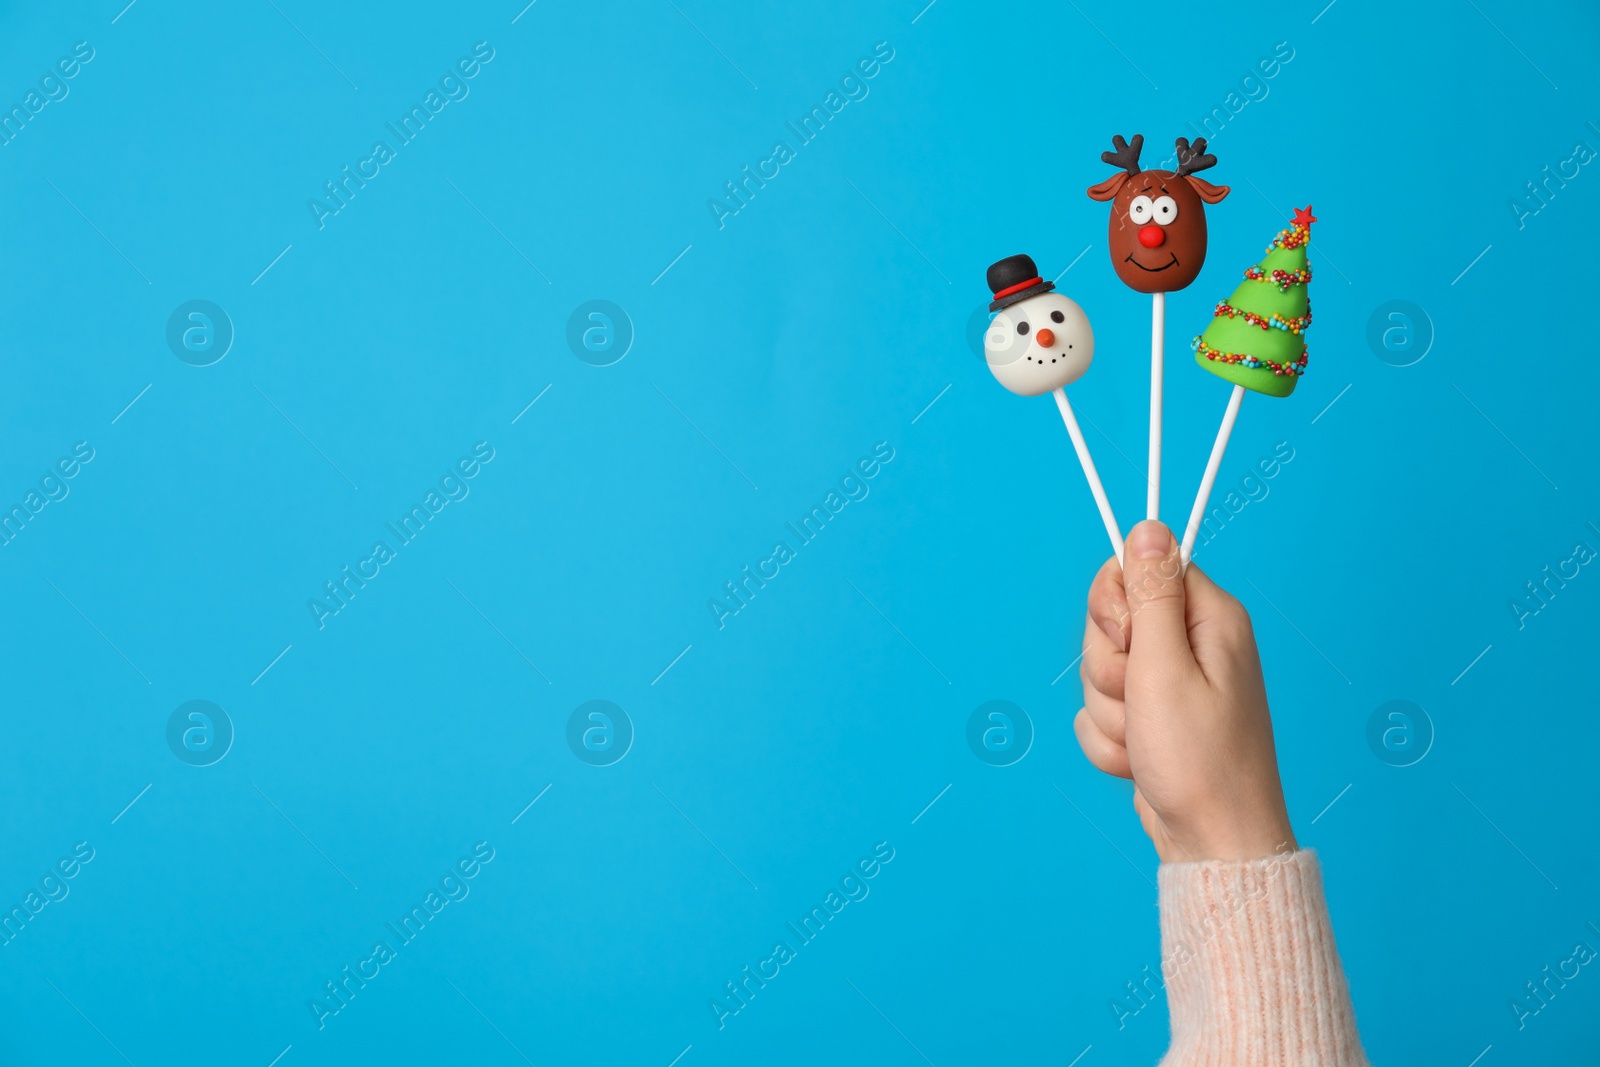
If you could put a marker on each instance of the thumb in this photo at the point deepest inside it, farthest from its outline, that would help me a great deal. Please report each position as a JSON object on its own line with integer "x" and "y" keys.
{"x": 1153, "y": 577}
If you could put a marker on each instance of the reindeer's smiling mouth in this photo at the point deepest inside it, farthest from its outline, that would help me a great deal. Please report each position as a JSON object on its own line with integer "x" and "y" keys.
{"x": 1173, "y": 262}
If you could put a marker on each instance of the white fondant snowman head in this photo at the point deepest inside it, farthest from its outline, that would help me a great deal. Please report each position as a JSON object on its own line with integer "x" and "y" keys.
{"x": 1039, "y": 340}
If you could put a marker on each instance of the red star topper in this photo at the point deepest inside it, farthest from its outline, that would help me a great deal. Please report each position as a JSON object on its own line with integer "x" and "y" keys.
{"x": 1303, "y": 216}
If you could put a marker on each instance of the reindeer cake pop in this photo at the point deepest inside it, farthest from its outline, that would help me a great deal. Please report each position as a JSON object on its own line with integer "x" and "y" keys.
{"x": 1158, "y": 217}
{"x": 1038, "y": 342}
{"x": 1157, "y": 239}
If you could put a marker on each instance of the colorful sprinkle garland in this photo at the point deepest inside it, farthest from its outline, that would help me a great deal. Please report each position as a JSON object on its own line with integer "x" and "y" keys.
{"x": 1251, "y": 362}
{"x": 1283, "y": 278}
{"x": 1293, "y": 237}
{"x": 1294, "y": 324}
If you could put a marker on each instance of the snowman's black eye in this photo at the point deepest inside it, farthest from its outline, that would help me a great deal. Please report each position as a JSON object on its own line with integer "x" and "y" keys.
{"x": 1057, "y": 316}
{"x": 1022, "y": 328}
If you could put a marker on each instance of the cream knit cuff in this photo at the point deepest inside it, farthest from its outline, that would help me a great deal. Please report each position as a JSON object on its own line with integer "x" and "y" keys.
{"x": 1252, "y": 974}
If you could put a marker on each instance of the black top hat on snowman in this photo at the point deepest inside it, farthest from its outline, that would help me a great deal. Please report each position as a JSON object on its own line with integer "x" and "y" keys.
{"x": 1015, "y": 278}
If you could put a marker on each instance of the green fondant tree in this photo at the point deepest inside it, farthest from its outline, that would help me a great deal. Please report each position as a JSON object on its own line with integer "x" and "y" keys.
{"x": 1257, "y": 337}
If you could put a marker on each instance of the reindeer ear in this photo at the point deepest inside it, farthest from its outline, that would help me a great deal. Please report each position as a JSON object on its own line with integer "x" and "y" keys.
{"x": 1211, "y": 194}
{"x": 1107, "y": 190}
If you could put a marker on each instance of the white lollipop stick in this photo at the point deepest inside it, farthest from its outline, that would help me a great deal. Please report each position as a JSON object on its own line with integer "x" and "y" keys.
{"x": 1229, "y": 417}
{"x": 1099, "y": 491}
{"x": 1158, "y": 331}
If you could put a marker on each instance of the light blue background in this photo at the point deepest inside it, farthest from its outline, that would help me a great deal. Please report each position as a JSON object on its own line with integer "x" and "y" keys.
{"x": 823, "y": 318}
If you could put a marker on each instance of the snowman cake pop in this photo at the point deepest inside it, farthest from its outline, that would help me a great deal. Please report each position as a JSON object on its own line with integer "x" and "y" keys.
{"x": 1038, "y": 342}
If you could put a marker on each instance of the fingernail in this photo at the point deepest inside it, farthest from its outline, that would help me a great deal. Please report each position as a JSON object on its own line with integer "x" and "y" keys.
{"x": 1149, "y": 540}
{"x": 1114, "y": 632}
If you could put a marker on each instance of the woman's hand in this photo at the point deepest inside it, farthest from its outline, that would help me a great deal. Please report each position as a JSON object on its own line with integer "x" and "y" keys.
{"x": 1173, "y": 698}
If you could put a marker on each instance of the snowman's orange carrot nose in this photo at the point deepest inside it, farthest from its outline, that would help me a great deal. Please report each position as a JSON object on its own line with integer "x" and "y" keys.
{"x": 1046, "y": 338}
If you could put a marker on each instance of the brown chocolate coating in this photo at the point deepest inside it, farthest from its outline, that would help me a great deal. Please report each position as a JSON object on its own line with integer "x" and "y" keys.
{"x": 1177, "y": 260}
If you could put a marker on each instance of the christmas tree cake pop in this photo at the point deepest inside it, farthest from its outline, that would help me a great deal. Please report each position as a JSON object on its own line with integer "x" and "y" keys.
{"x": 1038, "y": 342}
{"x": 1257, "y": 336}
{"x": 1256, "y": 340}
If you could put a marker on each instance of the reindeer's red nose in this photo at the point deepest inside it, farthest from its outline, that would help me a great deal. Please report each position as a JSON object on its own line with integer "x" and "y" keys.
{"x": 1046, "y": 338}
{"x": 1152, "y": 235}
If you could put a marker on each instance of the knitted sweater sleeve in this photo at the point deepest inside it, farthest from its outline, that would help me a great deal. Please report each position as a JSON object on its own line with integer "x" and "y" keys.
{"x": 1252, "y": 974}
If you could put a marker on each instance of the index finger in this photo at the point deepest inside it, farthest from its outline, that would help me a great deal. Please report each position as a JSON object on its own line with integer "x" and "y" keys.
{"x": 1108, "y": 604}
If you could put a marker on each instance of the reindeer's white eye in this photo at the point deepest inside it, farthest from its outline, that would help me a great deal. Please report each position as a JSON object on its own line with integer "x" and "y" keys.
{"x": 1166, "y": 209}
{"x": 1140, "y": 210}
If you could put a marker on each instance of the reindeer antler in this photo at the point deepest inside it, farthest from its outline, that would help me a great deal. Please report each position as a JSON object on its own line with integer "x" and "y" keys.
{"x": 1191, "y": 159}
{"x": 1126, "y": 155}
